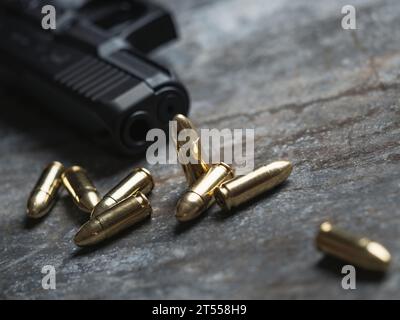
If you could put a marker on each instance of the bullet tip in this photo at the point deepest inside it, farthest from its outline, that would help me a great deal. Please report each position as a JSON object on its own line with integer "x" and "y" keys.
{"x": 38, "y": 205}
{"x": 283, "y": 166}
{"x": 189, "y": 207}
{"x": 57, "y": 164}
{"x": 183, "y": 122}
{"x": 88, "y": 234}
{"x": 89, "y": 201}
{"x": 380, "y": 253}
{"x": 180, "y": 117}
{"x": 70, "y": 170}
{"x": 105, "y": 204}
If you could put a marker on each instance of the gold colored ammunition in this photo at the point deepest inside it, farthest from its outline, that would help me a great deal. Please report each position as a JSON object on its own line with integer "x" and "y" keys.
{"x": 199, "y": 197}
{"x": 234, "y": 192}
{"x": 81, "y": 188}
{"x": 112, "y": 221}
{"x": 43, "y": 196}
{"x": 138, "y": 180}
{"x": 199, "y": 167}
{"x": 358, "y": 251}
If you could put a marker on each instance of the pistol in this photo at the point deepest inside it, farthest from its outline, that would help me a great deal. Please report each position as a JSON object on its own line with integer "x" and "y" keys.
{"x": 94, "y": 69}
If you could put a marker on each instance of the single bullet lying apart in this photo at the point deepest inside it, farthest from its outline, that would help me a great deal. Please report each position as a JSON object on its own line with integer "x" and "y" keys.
{"x": 43, "y": 196}
{"x": 112, "y": 221}
{"x": 234, "y": 192}
{"x": 355, "y": 250}
{"x": 196, "y": 166}
{"x": 81, "y": 188}
{"x": 198, "y": 198}
{"x": 138, "y": 180}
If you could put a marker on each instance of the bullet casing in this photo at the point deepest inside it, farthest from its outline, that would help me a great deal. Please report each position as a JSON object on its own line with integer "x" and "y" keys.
{"x": 235, "y": 192}
{"x": 197, "y": 167}
{"x": 355, "y": 250}
{"x": 112, "y": 221}
{"x": 139, "y": 179}
{"x": 81, "y": 188}
{"x": 43, "y": 195}
{"x": 199, "y": 197}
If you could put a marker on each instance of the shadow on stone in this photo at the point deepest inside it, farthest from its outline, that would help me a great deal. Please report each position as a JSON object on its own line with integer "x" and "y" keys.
{"x": 73, "y": 213}
{"x": 30, "y": 223}
{"x": 182, "y": 227}
{"x": 66, "y": 142}
{"x": 334, "y": 266}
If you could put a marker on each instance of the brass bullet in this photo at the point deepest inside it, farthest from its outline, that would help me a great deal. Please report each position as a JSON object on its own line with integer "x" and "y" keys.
{"x": 242, "y": 189}
{"x": 358, "y": 251}
{"x": 112, "y": 221}
{"x": 139, "y": 179}
{"x": 199, "y": 167}
{"x": 43, "y": 196}
{"x": 80, "y": 188}
{"x": 199, "y": 197}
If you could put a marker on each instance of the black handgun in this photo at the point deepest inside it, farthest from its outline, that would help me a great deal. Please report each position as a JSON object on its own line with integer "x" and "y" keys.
{"x": 93, "y": 69}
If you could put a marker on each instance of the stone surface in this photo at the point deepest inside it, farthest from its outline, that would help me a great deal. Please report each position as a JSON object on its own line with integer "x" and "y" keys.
{"x": 323, "y": 97}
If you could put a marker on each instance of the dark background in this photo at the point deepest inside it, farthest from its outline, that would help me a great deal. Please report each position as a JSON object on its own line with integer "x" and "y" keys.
{"x": 323, "y": 97}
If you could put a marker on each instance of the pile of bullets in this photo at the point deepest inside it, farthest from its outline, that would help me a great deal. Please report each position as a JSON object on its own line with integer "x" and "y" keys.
{"x": 122, "y": 207}
{"x": 217, "y": 183}
{"x": 126, "y": 204}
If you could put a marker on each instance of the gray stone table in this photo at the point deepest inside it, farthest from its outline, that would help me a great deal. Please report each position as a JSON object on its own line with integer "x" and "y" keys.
{"x": 323, "y": 97}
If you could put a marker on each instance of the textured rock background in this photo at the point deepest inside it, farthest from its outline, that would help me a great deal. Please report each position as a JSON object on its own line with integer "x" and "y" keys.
{"x": 323, "y": 97}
